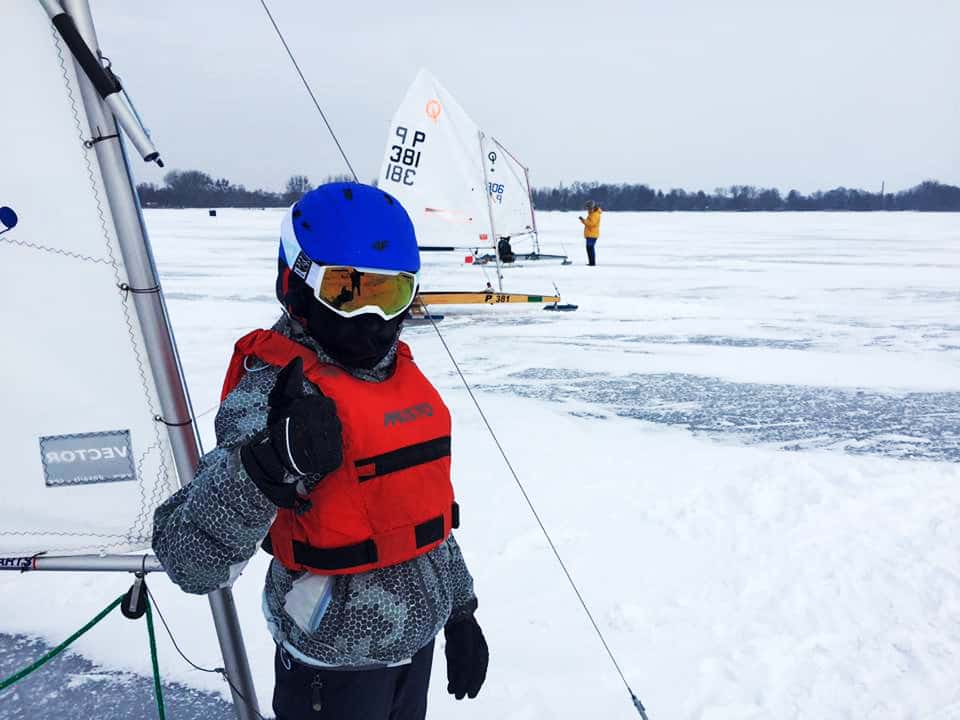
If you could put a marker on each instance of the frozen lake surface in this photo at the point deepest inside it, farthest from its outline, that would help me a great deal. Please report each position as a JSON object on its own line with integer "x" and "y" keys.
{"x": 73, "y": 687}
{"x": 745, "y": 444}
{"x": 793, "y": 417}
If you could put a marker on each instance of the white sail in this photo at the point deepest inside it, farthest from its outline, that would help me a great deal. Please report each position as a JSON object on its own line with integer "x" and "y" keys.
{"x": 85, "y": 462}
{"x": 509, "y": 191}
{"x": 433, "y": 166}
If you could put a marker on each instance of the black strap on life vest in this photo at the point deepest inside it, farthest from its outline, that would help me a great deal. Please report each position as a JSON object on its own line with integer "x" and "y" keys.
{"x": 403, "y": 458}
{"x": 363, "y": 553}
{"x": 338, "y": 558}
{"x": 429, "y": 531}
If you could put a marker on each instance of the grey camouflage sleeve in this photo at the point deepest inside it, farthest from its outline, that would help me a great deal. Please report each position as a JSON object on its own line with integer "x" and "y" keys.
{"x": 464, "y": 599}
{"x": 208, "y": 530}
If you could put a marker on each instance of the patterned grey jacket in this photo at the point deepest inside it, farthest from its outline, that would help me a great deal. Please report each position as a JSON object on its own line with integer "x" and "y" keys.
{"x": 206, "y": 532}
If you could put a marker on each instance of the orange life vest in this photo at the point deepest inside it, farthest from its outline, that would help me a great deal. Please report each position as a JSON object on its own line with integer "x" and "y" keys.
{"x": 391, "y": 499}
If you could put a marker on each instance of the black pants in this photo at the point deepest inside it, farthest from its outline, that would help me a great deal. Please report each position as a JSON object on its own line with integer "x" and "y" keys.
{"x": 397, "y": 693}
{"x": 591, "y": 251}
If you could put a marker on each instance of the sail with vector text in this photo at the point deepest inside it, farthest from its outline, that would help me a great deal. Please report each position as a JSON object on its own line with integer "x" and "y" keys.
{"x": 86, "y": 458}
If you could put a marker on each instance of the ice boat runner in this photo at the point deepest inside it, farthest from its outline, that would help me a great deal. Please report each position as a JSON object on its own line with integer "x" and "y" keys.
{"x": 99, "y": 428}
{"x": 463, "y": 189}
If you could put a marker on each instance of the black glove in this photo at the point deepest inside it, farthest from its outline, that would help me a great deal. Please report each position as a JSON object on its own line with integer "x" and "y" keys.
{"x": 467, "y": 657}
{"x": 303, "y": 437}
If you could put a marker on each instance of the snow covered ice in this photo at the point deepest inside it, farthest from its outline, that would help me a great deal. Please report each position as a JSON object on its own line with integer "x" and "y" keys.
{"x": 745, "y": 444}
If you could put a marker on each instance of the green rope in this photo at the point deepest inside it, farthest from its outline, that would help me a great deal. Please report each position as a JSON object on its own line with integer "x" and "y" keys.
{"x": 40, "y": 662}
{"x": 17, "y": 676}
{"x": 157, "y": 687}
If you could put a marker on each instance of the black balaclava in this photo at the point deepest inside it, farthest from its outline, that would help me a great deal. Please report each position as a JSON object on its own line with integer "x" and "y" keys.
{"x": 359, "y": 342}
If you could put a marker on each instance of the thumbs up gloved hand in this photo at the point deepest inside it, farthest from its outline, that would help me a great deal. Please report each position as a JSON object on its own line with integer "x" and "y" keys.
{"x": 303, "y": 437}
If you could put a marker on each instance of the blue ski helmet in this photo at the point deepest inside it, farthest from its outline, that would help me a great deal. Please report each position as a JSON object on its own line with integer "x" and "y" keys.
{"x": 349, "y": 224}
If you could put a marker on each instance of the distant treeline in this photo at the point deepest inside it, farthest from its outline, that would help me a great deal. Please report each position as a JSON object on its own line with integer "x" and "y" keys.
{"x": 193, "y": 188}
{"x": 930, "y": 196}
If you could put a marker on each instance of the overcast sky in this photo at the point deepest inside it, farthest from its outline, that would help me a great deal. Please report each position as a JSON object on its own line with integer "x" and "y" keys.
{"x": 680, "y": 93}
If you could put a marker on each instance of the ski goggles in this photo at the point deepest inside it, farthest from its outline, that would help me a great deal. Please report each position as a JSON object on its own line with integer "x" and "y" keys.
{"x": 352, "y": 291}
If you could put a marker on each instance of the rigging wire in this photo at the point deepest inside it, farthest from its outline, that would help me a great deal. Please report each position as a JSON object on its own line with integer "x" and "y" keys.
{"x": 217, "y": 671}
{"x": 309, "y": 90}
{"x": 503, "y": 453}
{"x": 563, "y": 246}
{"x": 636, "y": 700}
{"x": 486, "y": 275}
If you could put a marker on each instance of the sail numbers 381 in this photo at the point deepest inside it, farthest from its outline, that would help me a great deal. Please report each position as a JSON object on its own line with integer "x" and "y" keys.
{"x": 405, "y": 159}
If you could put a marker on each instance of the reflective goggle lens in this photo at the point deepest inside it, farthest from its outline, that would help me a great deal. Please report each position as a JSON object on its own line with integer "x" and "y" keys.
{"x": 350, "y": 290}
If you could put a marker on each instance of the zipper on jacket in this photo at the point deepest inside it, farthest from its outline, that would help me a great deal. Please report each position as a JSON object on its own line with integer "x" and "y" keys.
{"x": 431, "y": 603}
{"x": 316, "y": 694}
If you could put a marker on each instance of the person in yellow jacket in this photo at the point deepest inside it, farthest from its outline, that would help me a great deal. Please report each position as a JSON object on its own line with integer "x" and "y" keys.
{"x": 591, "y": 230}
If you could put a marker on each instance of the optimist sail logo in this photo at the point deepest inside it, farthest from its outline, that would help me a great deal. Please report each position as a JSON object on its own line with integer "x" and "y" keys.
{"x": 434, "y": 108}
{"x": 87, "y": 458}
{"x": 8, "y": 219}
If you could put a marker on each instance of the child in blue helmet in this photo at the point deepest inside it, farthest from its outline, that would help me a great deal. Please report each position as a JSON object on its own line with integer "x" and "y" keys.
{"x": 354, "y": 618}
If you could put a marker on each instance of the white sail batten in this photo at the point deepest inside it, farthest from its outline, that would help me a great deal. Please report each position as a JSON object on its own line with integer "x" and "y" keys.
{"x": 432, "y": 165}
{"x": 86, "y": 461}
